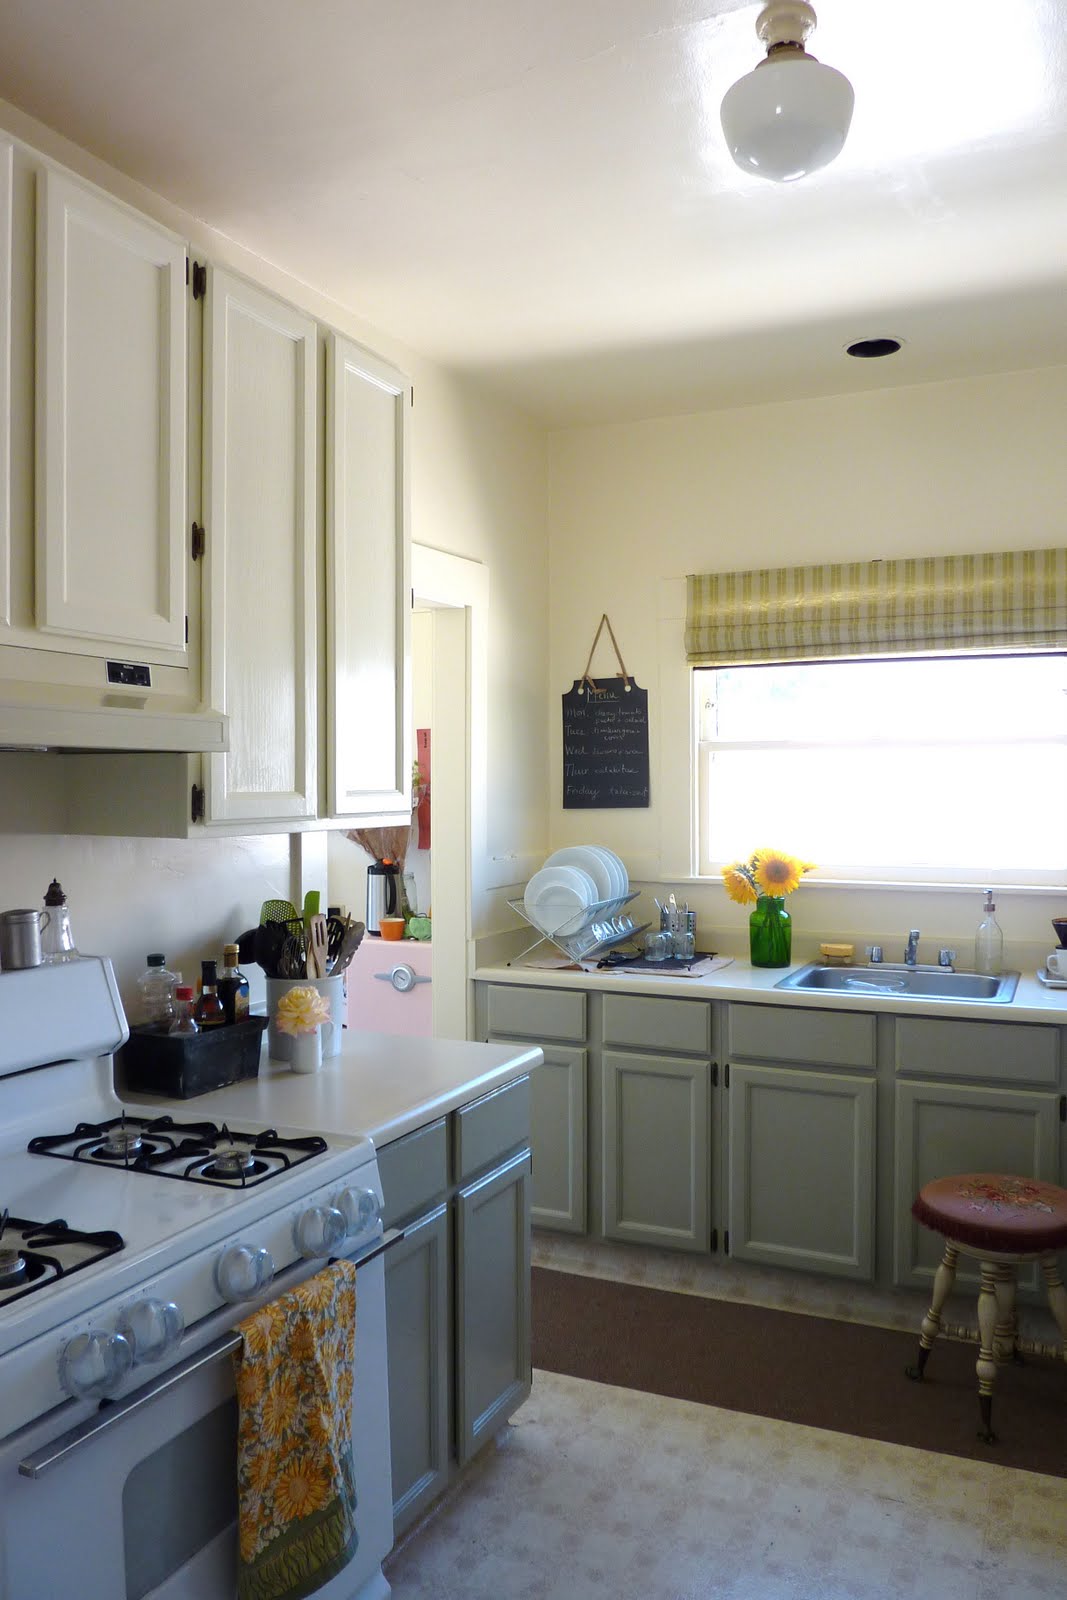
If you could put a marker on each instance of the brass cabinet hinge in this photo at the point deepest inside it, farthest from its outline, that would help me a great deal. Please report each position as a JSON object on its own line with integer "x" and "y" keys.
{"x": 726, "y": 1076}
{"x": 199, "y": 280}
{"x": 726, "y": 1242}
{"x": 199, "y": 539}
{"x": 714, "y": 1074}
{"x": 198, "y": 806}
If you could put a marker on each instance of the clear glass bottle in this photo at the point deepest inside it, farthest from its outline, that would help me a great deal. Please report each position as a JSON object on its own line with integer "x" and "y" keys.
{"x": 57, "y": 940}
{"x": 157, "y": 986}
{"x": 989, "y": 941}
{"x": 184, "y": 1021}
{"x": 233, "y": 986}
{"x": 209, "y": 1011}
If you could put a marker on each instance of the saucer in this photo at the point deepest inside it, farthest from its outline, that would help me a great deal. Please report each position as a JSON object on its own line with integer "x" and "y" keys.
{"x": 1050, "y": 983}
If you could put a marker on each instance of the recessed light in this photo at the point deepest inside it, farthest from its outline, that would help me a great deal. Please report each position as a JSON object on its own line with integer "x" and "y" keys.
{"x": 867, "y": 349}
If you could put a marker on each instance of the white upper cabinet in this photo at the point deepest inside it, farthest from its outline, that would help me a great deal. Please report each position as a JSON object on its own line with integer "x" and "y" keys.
{"x": 368, "y": 607}
{"x": 261, "y": 525}
{"x": 111, "y": 426}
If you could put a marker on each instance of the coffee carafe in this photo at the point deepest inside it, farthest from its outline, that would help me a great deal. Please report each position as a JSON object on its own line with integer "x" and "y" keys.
{"x": 382, "y": 895}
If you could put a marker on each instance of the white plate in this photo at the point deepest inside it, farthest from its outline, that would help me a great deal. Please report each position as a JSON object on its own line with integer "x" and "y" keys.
{"x": 1049, "y": 981}
{"x": 556, "y": 897}
{"x": 587, "y": 858}
{"x": 620, "y": 877}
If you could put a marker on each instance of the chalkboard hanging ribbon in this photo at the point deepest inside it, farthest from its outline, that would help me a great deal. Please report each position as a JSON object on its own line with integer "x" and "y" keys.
{"x": 585, "y": 681}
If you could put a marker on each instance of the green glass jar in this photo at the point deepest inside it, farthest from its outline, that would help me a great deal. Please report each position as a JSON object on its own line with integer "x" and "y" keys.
{"x": 770, "y": 932}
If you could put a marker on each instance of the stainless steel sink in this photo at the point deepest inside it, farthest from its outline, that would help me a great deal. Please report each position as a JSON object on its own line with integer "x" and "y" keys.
{"x": 919, "y": 983}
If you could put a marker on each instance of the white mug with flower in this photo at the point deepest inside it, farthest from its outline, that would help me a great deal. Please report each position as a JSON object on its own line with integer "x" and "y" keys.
{"x": 300, "y": 1012}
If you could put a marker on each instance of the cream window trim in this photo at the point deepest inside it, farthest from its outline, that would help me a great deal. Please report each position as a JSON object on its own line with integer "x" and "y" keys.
{"x": 1014, "y": 600}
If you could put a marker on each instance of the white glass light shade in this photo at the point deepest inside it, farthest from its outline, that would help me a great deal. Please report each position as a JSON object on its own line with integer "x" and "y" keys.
{"x": 789, "y": 117}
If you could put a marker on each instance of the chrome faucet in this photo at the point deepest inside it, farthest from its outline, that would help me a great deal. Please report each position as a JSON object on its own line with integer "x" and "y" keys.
{"x": 911, "y": 949}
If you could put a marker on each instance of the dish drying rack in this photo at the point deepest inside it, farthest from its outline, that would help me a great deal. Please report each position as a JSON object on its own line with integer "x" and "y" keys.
{"x": 602, "y": 919}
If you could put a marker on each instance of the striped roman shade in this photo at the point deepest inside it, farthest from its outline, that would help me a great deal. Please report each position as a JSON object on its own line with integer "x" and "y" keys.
{"x": 1013, "y": 601}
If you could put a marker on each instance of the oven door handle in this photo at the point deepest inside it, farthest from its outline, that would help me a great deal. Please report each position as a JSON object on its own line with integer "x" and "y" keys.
{"x": 50, "y": 1455}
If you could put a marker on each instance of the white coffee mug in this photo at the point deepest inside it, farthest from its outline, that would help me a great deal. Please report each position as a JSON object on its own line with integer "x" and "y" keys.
{"x": 1057, "y": 963}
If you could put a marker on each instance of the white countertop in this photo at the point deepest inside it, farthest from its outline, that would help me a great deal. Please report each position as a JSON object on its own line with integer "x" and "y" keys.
{"x": 740, "y": 981}
{"x": 380, "y": 1085}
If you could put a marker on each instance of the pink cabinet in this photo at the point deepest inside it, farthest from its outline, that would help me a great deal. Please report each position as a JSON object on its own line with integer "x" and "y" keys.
{"x": 389, "y": 987}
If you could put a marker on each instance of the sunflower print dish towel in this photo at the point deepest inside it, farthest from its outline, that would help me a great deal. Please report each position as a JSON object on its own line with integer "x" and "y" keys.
{"x": 295, "y": 1481}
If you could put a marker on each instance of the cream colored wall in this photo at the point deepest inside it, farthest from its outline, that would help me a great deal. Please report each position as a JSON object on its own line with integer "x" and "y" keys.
{"x": 478, "y": 490}
{"x": 961, "y": 466}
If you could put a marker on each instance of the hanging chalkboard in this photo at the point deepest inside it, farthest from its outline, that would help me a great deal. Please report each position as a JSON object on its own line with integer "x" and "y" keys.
{"x": 605, "y": 745}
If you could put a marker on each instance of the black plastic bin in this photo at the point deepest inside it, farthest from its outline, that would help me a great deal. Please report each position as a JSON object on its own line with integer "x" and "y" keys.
{"x": 187, "y": 1064}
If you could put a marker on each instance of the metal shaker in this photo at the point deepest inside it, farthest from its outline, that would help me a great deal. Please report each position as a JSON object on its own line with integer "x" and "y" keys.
{"x": 20, "y": 939}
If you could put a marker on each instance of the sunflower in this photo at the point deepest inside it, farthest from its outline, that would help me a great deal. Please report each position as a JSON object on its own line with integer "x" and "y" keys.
{"x": 738, "y": 884}
{"x": 301, "y": 1489}
{"x": 777, "y": 874}
{"x": 280, "y": 1405}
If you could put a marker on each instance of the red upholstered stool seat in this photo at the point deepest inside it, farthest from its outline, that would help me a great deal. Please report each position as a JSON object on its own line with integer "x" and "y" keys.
{"x": 988, "y": 1211}
{"x": 1001, "y": 1220}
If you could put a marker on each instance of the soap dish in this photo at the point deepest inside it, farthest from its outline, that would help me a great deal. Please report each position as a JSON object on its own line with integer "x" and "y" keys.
{"x": 1051, "y": 983}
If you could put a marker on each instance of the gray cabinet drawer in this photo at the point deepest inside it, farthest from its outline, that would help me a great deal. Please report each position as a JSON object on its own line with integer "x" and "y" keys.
{"x": 488, "y": 1128}
{"x": 537, "y": 1013}
{"x": 414, "y": 1172}
{"x": 1009, "y": 1051}
{"x": 646, "y": 1022}
{"x": 788, "y": 1033}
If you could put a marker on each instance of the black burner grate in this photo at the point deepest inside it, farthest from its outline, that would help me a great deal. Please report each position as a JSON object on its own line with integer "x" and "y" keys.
{"x": 187, "y": 1151}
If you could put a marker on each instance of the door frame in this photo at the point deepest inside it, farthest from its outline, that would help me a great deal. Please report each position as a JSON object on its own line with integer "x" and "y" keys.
{"x": 457, "y": 590}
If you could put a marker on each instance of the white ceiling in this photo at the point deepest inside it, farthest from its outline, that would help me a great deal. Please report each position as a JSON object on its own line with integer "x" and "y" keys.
{"x": 540, "y": 193}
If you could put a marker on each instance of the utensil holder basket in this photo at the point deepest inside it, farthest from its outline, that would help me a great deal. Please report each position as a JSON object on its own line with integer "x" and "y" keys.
{"x": 182, "y": 1065}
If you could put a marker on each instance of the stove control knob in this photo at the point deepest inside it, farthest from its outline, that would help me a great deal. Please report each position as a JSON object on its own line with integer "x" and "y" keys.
{"x": 320, "y": 1231}
{"x": 361, "y": 1211}
{"x": 153, "y": 1327}
{"x": 93, "y": 1365}
{"x": 242, "y": 1272}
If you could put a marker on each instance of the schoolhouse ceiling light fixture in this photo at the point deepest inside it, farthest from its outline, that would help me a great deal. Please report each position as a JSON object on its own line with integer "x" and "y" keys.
{"x": 791, "y": 115}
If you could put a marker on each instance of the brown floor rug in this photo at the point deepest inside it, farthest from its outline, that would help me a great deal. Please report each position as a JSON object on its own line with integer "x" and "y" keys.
{"x": 814, "y": 1370}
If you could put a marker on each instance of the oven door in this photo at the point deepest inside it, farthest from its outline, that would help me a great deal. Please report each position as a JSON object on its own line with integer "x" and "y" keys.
{"x": 140, "y": 1501}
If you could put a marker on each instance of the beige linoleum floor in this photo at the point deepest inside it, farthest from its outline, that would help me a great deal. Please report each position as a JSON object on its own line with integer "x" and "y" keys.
{"x": 595, "y": 1492}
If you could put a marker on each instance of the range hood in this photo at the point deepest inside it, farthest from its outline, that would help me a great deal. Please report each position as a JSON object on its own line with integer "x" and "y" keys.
{"x": 122, "y": 727}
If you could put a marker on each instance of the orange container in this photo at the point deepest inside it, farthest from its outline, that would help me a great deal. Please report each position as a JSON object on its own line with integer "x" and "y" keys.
{"x": 392, "y": 927}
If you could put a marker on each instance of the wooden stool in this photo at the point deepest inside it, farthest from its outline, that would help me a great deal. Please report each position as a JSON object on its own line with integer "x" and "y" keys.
{"x": 999, "y": 1221}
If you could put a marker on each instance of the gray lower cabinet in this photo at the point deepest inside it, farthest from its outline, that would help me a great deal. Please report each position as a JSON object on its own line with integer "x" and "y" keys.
{"x": 943, "y": 1128}
{"x": 802, "y": 1169}
{"x": 558, "y": 1139}
{"x": 492, "y": 1302}
{"x": 457, "y": 1288}
{"x": 417, "y": 1275}
{"x": 655, "y": 1164}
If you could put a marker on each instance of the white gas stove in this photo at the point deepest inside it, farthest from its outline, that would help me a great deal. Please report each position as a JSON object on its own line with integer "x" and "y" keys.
{"x": 131, "y": 1247}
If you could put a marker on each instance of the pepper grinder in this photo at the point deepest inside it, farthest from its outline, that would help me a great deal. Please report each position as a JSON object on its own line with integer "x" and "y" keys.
{"x": 57, "y": 940}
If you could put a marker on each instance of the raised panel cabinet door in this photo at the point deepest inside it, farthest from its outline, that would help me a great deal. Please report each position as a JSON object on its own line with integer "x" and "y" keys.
{"x": 944, "y": 1128}
{"x": 492, "y": 1302}
{"x": 260, "y": 410}
{"x": 558, "y": 1140}
{"x": 420, "y": 1364}
{"x": 368, "y": 585}
{"x": 111, "y": 421}
{"x": 655, "y": 1161}
{"x": 802, "y": 1169}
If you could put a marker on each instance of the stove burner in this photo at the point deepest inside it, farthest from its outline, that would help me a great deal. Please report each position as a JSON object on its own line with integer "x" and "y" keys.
{"x": 45, "y": 1252}
{"x": 12, "y": 1268}
{"x": 233, "y": 1163}
{"x": 121, "y": 1143}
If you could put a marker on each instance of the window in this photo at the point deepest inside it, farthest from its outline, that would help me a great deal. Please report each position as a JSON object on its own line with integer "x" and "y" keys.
{"x": 940, "y": 770}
